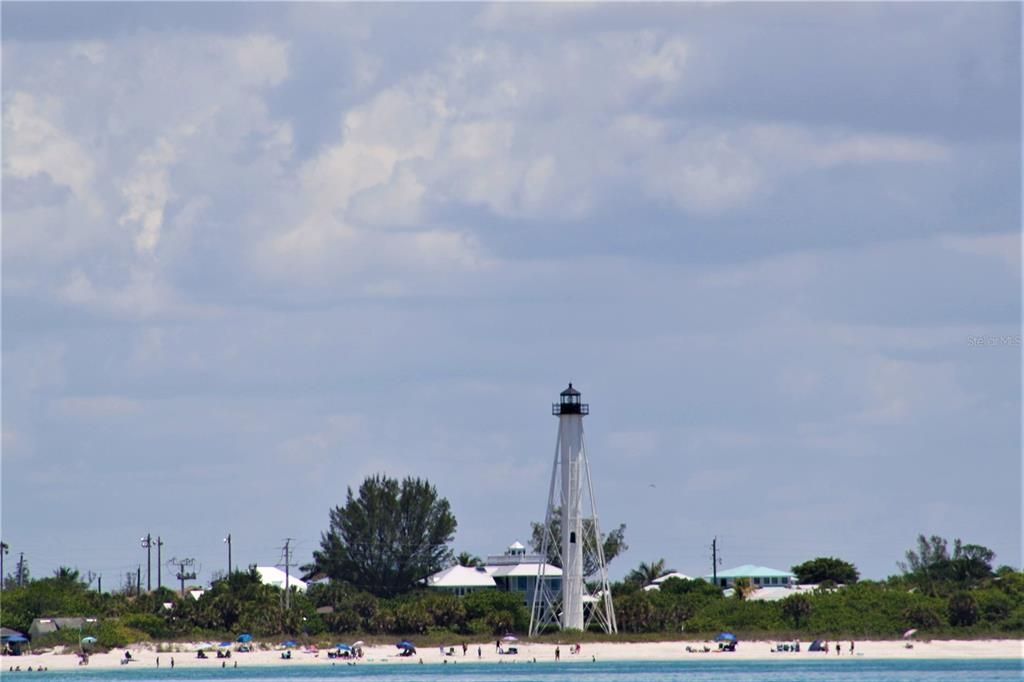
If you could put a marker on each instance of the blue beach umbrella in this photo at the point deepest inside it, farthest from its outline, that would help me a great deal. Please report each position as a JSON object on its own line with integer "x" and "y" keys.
{"x": 224, "y": 644}
{"x": 89, "y": 640}
{"x": 725, "y": 637}
{"x": 343, "y": 647}
{"x": 405, "y": 644}
{"x": 288, "y": 642}
{"x": 244, "y": 637}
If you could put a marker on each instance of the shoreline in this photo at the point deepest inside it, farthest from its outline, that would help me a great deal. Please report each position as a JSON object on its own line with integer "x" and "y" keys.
{"x": 146, "y": 655}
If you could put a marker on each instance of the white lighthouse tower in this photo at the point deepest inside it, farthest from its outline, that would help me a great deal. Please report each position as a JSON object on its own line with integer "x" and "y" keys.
{"x": 574, "y": 541}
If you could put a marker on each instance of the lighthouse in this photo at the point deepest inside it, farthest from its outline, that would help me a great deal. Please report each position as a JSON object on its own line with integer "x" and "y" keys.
{"x": 571, "y": 538}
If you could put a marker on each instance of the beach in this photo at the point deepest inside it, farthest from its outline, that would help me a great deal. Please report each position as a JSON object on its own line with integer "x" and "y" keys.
{"x": 146, "y": 655}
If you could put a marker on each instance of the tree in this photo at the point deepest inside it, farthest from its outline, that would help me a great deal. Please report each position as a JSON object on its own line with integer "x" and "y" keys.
{"x": 388, "y": 537}
{"x": 963, "y": 609}
{"x": 797, "y": 606}
{"x": 934, "y": 571}
{"x": 742, "y": 588}
{"x": 613, "y": 542}
{"x": 826, "y": 568}
{"x": 468, "y": 560}
{"x": 645, "y": 573}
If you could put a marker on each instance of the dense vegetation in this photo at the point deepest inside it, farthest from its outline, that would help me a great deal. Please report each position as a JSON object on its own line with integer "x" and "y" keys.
{"x": 941, "y": 593}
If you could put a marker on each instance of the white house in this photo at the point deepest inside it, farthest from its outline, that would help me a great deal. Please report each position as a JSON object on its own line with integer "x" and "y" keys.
{"x": 513, "y": 571}
{"x": 272, "y": 575}
{"x": 516, "y": 571}
{"x": 656, "y": 583}
{"x": 461, "y": 580}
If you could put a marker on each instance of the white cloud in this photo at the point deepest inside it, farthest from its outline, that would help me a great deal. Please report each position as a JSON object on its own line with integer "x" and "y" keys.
{"x": 35, "y": 142}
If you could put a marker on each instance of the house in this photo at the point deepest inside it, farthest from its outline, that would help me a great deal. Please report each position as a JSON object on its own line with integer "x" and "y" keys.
{"x": 656, "y": 583}
{"x": 45, "y": 626}
{"x": 272, "y": 575}
{"x": 462, "y": 580}
{"x": 514, "y": 571}
{"x": 759, "y": 576}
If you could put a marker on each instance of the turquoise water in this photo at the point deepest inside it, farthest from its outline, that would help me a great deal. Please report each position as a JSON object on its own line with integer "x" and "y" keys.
{"x": 663, "y": 671}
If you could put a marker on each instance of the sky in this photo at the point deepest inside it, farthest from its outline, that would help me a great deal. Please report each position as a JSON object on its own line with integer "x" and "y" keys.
{"x": 254, "y": 253}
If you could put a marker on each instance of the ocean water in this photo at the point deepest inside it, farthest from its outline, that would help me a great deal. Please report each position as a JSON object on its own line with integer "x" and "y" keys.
{"x": 625, "y": 671}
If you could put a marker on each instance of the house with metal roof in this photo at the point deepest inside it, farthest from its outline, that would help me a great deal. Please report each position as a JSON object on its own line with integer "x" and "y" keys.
{"x": 516, "y": 571}
{"x": 656, "y": 583}
{"x": 461, "y": 580}
{"x": 513, "y": 571}
{"x": 272, "y": 575}
{"x": 759, "y": 576}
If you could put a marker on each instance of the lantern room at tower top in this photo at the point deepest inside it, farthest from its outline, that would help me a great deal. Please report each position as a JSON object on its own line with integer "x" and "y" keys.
{"x": 569, "y": 403}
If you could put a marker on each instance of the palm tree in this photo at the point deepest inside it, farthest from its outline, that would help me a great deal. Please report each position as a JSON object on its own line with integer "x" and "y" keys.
{"x": 645, "y": 573}
{"x": 467, "y": 559}
{"x": 742, "y": 588}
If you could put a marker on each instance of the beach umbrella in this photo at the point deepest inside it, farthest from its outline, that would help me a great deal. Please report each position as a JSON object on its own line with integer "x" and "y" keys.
{"x": 725, "y": 637}
{"x": 288, "y": 642}
{"x": 244, "y": 637}
{"x": 817, "y": 645}
{"x": 359, "y": 643}
{"x": 22, "y": 638}
{"x": 224, "y": 644}
{"x": 909, "y": 633}
{"x": 405, "y": 644}
{"x": 510, "y": 638}
{"x": 87, "y": 640}
{"x": 343, "y": 647}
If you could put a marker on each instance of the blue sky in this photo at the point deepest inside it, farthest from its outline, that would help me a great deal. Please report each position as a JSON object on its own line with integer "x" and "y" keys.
{"x": 253, "y": 253}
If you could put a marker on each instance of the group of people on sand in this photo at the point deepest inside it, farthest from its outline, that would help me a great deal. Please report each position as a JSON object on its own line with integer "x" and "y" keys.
{"x": 838, "y": 652}
{"x": 17, "y": 669}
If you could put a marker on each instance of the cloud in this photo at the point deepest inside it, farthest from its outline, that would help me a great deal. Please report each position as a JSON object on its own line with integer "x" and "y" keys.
{"x": 35, "y": 142}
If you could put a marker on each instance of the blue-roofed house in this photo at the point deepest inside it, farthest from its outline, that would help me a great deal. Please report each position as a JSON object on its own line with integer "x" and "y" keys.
{"x": 760, "y": 576}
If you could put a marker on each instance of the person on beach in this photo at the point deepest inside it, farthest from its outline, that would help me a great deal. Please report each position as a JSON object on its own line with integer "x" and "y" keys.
{"x": 465, "y": 648}
{"x": 172, "y": 662}
{"x": 851, "y": 647}
{"x": 158, "y": 661}
{"x": 479, "y": 652}
{"x": 558, "y": 653}
{"x": 837, "y": 648}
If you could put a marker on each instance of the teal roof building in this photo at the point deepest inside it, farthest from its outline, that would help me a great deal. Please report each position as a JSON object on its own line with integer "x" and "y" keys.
{"x": 760, "y": 576}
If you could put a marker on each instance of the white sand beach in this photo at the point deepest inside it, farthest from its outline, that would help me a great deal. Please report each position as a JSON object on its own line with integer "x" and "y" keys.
{"x": 146, "y": 655}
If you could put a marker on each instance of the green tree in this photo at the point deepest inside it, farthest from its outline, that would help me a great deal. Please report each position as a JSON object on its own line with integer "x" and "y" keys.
{"x": 613, "y": 542}
{"x": 742, "y": 588}
{"x": 797, "y": 607}
{"x": 645, "y": 573}
{"x": 963, "y": 609}
{"x": 468, "y": 560}
{"x": 388, "y": 537}
{"x": 932, "y": 569}
{"x": 826, "y": 568}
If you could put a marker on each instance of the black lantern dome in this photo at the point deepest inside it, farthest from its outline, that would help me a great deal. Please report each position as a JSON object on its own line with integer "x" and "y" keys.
{"x": 569, "y": 403}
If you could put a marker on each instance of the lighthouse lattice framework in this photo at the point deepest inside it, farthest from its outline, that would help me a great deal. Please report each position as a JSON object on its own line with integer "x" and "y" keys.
{"x": 578, "y": 540}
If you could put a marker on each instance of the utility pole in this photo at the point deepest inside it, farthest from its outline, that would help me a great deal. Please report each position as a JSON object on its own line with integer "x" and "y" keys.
{"x": 21, "y": 569}
{"x": 159, "y": 576}
{"x": 287, "y": 560}
{"x": 228, "y": 540}
{"x": 138, "y": 580}
{"x": 99, "y": 585}
{"x": 182, "y": 575}
{"x": 147, "y": 542}
{"x": 3, "y": 550}
{"x": 714, "y": 560}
